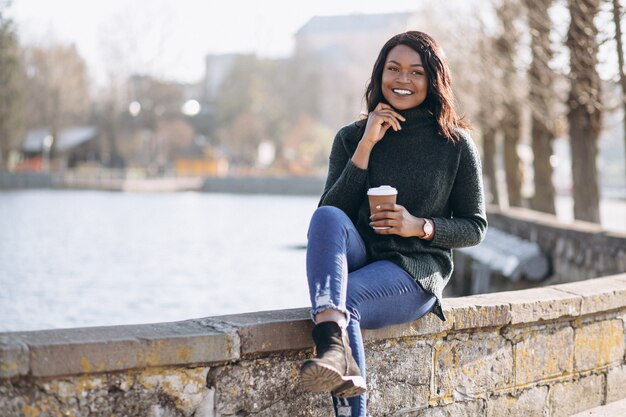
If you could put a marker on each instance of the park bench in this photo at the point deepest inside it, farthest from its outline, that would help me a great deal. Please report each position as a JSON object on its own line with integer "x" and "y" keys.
{"x": 499, "y": 254}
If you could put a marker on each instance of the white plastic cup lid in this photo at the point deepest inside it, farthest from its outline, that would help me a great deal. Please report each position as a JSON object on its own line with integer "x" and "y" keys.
{"x": 382, "y": 190}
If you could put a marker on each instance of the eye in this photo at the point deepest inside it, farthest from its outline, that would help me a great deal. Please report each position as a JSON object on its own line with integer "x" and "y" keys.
{"x": 392, "y": 69}
{"x": 417, "y": 73}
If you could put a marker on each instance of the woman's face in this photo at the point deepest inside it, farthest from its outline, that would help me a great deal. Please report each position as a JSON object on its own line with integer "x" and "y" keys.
{"x": 404, "y": 81}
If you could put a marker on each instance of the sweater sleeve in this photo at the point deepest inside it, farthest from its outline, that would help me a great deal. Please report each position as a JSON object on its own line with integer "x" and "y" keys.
{"x": 468, "y": 224}
{"x": 345, "y": 183}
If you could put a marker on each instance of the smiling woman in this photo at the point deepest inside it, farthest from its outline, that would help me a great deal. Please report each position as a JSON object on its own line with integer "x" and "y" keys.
{"x": 374, "y": 270}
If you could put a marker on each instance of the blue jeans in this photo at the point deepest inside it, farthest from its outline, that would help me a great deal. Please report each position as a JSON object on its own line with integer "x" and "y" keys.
{"x": 372, "y": 295}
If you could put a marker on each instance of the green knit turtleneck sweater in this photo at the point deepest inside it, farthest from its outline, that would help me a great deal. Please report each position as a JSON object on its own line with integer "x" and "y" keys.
{"x": 435, "y": 179}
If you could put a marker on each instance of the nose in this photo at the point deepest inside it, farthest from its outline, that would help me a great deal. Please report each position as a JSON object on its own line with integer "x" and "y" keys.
{"x": 403, "y": 77}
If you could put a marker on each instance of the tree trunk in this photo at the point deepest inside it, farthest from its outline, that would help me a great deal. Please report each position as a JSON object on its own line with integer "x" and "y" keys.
{"x": 506, "y": 47}
{"x": 10, "y": 93}
{"x": 110, "y": 131}
{"x": 489, "y": 165}
{"x": 584, "y": 103}
{"x": 512, "y": 162}
{"x": 541, "y": 78}
{"x": 543, "y": 199}
{"x": 617, "y": 13}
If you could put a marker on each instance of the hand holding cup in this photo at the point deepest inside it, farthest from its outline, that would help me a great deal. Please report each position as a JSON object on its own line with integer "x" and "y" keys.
{"x": 381, "y": 195}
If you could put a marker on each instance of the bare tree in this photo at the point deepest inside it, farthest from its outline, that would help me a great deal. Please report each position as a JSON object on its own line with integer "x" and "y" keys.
{"x": 136, "y": 44}
{"x": 490, "y": 97}
{"x": 506, "y": 48}
{"x": 617, "y": 19}
{"x": 9, "y": 87}
{"x": 584, "y": 107}
{"x": 541, "y": 97}
{"x": 56, "y": 87}
{"x": 254, "y": 104}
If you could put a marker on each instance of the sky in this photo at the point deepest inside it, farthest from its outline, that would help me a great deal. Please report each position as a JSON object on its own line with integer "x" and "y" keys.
{"x": 171, "y": 37}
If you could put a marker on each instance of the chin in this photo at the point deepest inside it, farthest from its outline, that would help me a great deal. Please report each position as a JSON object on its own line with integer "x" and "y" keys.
{"x": 404, "y": 106}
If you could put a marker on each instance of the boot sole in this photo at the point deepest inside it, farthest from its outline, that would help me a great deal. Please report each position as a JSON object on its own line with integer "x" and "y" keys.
{"x": 353, "y": 386}
{"x": 320, "y": 377}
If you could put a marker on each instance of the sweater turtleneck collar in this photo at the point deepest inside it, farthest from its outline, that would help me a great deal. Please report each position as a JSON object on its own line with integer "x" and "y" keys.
{"x": 417, "y": 117}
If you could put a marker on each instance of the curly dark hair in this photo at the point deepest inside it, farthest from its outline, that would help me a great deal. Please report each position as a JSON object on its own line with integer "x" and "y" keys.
{"x": 440, "y": 99}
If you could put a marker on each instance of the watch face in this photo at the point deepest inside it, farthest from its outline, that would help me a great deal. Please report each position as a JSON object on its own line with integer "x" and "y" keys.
{"x": 428, "y": 228}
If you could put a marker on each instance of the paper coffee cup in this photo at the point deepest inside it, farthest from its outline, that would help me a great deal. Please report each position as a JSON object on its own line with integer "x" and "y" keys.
{"x": 380, "y": 195}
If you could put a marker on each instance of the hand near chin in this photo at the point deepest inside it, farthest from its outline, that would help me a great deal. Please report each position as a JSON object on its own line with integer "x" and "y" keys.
{"x": 394, "y": 219}
{"x": 379, "y": 121}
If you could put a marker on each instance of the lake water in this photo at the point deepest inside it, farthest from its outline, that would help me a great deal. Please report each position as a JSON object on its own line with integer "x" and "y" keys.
{"x": 83, "y": 258}
{"x": 89, "y": 258}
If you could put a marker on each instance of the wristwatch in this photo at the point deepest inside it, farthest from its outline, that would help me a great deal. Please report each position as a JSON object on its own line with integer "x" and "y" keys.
{"x": 428, "y": 229}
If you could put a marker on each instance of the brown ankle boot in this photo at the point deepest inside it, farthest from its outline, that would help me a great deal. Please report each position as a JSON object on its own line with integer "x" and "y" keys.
{"x": 334, "y": 369}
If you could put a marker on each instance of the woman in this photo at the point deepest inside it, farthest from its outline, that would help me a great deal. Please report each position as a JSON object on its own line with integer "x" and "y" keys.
{"x": 373, "y": 271}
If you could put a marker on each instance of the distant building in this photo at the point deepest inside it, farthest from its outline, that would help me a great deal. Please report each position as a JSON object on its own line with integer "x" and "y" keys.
{"x": 217, "y": 68}
{"x": 338, "y": 53}
{"x": 74, "y": 146}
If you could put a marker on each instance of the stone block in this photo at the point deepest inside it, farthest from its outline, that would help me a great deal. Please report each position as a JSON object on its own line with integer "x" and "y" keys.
{"x": 598, "y": 344}
{"x": 616, "y": 384}
{"x": 469, "y": 366}
{"x": 115, "y": 348}
{"x": 528, "y": 403}
{"x": 475, "y": 312}
{"x": 567, "y": 398}
{"x": 269, "y": 331}
{"x": 398, "y": 375}
{"x": 536, "y": 304}
{"x": 186, "y": 387}
{"x": 267, "y": 387}
{"x": 542, "y": 352}
{"x": 598, "y": 294}
{"x": 14, "y": 357}
{"x": 171, "y": 392}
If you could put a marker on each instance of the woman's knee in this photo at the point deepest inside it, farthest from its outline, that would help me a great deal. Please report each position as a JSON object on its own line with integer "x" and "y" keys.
{"x": 327, "y": 215}
{"x": 329, "y": 212}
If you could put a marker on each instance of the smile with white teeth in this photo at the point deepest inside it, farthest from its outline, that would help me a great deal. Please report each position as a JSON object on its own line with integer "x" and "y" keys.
{"x": 402, "y": 91}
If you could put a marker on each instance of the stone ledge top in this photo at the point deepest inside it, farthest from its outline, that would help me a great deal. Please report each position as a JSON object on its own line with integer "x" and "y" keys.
{"x": 550, "y": 220}
{"x": 219, "y": 339}
{"x": 113, "y": 348}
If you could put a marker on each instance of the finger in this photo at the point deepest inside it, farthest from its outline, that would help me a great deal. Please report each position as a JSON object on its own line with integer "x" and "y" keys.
{"x": 391, "y": 118}
{"x": 381, "y": 106}
{"x": 385, "y": 215}
{"x": 393, "y": 113}
{"x": 381, "y": 118}
{"x": 387, "y": 231}
{"x": 384, "y": 106}
{"x": 390, "y": 121}
{"x": 395, "y": 123}
{"x": 384, "y": 223}
{"x": 398, "y": 116}
{"x": 389, "y": 207}
{"x": 377, "y": 216}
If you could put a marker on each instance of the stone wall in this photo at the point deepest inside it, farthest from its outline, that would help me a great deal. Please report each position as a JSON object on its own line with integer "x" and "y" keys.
{"x": 550, "y": 351}
{"x": 577, "y": 250}
{"x": 26, "y": 180}
{"x": 115, "y": 180}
